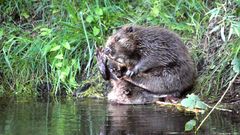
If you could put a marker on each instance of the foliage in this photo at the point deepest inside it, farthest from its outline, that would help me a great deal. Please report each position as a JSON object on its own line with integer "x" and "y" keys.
{"x": 236, "y": 65}
{"x": 54, "y": 41}
{"x": 190, "y": 125}
{"x": 193, "y": 102}
{"x": 220, "y": 46}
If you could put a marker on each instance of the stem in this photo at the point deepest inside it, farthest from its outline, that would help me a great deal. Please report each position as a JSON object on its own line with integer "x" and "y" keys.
{"x": 221, "y": 109}
{"x": 88, "y": 44}
{"x": 219, "y": 101}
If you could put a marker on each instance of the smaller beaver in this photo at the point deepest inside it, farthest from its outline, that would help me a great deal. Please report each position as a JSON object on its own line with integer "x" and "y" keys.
{"x": 123, "y": 92}
{"x": 156, "y": 59}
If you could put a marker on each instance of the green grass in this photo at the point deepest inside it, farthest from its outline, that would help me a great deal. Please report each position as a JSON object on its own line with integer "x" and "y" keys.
{"x": 54, "y": 41}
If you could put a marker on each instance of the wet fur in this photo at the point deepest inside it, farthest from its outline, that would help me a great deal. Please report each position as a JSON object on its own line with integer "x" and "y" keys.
{"x": 123, "y": 92}
{"x": 158, "y": 58}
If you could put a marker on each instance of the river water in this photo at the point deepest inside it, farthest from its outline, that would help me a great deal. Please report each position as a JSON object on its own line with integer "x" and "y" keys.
{"x": 97, "y": 117}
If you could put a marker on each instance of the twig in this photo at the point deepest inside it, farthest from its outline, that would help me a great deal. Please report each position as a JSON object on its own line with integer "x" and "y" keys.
{"x": 219, "y": 101}
{"x": 221, "y": 109}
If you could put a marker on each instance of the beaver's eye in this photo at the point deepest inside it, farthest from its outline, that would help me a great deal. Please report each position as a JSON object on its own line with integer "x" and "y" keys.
{"x": 107, "y": 50}
{"x": 117, "y": 38}
{"x": 129, "y": 29}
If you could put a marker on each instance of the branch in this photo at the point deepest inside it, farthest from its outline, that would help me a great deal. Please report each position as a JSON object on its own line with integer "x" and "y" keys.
{"x": 219, "y": 101}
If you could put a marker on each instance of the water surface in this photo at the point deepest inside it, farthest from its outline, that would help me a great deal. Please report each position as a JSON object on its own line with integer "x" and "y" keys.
{"x": 96, "y": 117}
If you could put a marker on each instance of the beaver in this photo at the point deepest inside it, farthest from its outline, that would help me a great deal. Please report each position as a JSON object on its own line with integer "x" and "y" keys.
{"x": 156, "y": 59}
{"x": 123, "y": 92}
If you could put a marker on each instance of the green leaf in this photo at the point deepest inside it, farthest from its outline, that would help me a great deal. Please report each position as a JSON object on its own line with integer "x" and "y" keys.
{"x": 55, "y": 48}
{"x": 193, "y": 97}
{"x": 96, "y": 31}
{"x": 25, "y": 15}
{"x": 222, "y": 34}
{"x": 215, "y": 29}
{"x": 66, "y": 45}
{"x": 62, "y": 76}
{"x": 59, "y": 64}
{"x": 55, "y": 11}
{"x": 1, "y": 33}
{"x": 74, "y": 61}
{"x": 59, "y": 56}
{"x": 190, "y": 125}
{"x": 155, "y": 11}
{"x": 193, "y": 102}
{"x": 236, "y": 65}
{"x": 236, "y": 29}
{"x": 72, "y": 81}
{"x": 67, "y": 70}
{"x": 89, "y": 19}
{"x": 200, "y": 105}
{"x": 99, "y": 11}
{"x": 45, "y": 31}
{"x": 46, "y": 49}
{"x": 188, "y": 103}
{"x": 64, "y": 73}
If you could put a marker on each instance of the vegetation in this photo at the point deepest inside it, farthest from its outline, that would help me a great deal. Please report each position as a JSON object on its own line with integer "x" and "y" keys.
{"x": 52, "y": 43}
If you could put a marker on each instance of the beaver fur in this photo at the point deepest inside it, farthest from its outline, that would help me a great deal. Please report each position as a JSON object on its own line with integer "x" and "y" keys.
{"x": 156, "y": 59}
{"x": 122, "y": 92}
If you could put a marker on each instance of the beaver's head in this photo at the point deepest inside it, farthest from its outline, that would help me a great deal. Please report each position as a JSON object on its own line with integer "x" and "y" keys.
{"x": 122, "y": 43}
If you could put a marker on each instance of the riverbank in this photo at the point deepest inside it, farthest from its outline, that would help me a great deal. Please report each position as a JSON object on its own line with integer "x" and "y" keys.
{"x": 48, "y": 46}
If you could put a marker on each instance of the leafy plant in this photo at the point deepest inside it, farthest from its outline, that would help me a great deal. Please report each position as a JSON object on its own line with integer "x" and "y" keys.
{"x": 190, "y": 125}
{"x": 224, "y": 20}
{"x": 193, "y": 102}
{"x": 236, "y": 65}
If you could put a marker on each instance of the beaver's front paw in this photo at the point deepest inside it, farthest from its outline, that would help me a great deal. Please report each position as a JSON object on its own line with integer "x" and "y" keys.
{"x": 130, "y": 73}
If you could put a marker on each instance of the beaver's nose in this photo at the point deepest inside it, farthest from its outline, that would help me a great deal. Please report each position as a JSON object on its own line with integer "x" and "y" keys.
{"x": 107, "y": 50}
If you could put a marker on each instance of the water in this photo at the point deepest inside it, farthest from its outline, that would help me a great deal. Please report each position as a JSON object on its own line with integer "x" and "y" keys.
{"x": 96, "y": 117}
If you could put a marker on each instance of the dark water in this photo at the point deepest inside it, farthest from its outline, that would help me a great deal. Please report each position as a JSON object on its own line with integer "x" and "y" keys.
{"x": 96, "y": 117}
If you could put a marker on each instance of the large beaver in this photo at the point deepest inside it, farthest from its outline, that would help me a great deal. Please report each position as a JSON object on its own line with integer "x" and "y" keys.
{"x": 156, "y": 58}
{"x": 123, "y": 92}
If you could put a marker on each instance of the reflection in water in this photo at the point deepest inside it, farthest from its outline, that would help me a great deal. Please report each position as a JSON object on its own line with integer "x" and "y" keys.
{"x": 94, "y": 117}
{"x": 65, "y": 117}
{"x": 143, "y": 120}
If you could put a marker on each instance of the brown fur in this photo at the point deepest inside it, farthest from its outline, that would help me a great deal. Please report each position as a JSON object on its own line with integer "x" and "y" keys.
{"x": 157, "y": 57}
{"x": 123, "y": 92}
